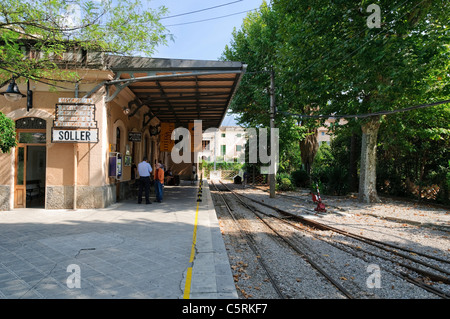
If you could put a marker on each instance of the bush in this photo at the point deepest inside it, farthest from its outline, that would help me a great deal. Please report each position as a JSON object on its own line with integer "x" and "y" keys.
{"x": 338, "y": 181}
{"x": 7, "y": 134}
{"x": 285, "y": 185}
{"x": 333, "y": 180}
{"x": 280, "y": 176}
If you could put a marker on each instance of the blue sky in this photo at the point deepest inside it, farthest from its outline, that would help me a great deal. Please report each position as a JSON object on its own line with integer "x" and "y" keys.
{"x": 205, "y": 40}
{"x": 202, "y": 40}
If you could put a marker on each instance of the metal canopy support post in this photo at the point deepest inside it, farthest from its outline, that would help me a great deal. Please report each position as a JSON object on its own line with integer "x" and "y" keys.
{"x": 95, "y": 89}
{"x": 138, "y": 105}
{"x": 119, "y": 87}
{"x": 272, "y": 125}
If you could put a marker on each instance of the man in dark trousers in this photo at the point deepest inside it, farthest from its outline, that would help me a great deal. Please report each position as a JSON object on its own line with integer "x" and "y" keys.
{"x": 144, "y": 169}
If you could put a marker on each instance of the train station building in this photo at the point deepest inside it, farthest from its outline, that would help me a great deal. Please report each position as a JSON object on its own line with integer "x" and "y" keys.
{"x": 77, "y": 142}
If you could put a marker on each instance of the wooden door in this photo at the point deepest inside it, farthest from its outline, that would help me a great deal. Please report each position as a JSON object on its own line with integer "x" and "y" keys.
{"x": 20, "y": 184}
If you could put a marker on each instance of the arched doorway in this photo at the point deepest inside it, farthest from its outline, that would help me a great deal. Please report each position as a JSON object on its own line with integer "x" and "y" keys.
{"x": 30, "y": 163}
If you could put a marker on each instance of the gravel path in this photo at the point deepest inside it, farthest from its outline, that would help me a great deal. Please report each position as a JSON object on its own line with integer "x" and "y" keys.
{"x": 418, "y": 227}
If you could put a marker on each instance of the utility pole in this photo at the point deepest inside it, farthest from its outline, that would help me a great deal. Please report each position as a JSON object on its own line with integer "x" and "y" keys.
{"x": 272, "y": 135}
{"x": 75, "y": 162}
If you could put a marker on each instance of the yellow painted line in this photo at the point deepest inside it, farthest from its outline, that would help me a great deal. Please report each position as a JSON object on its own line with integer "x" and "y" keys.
{"x": 187, "y": 285}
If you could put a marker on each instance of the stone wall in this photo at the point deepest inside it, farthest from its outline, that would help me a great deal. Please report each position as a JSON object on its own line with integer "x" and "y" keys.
{"x": 5, "y": 192}
{"x": 88, "y": 197}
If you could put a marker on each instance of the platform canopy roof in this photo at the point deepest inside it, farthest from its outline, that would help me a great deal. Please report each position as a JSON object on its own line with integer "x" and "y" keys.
{"x": 176, "y": 90}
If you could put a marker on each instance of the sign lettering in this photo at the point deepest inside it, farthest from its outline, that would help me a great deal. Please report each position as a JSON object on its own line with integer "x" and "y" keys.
{"x": 75, "y": 136}
{"x": 134, "y": 136}
{"x": 75, "y": 115}
{"x": 75, "y": 100}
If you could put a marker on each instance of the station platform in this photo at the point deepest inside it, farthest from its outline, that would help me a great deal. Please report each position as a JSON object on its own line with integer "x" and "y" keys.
{"x": 168, "y": 250}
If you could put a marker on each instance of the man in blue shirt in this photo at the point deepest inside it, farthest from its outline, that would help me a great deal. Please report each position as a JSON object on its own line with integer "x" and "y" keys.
{"x": 144, "y": 170}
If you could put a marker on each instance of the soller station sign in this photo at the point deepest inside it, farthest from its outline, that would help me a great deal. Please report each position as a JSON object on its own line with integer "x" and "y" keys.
{"x": 75, "y": 121}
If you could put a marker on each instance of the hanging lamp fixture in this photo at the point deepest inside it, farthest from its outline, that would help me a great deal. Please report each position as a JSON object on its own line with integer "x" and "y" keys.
{"x": 12, "y": 93}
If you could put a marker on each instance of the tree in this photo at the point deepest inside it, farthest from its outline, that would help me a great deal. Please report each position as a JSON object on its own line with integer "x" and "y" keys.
{"x": 256, "y": 44}
{"x": 419, "y": 154}
{"x": 45, "y": 30}
{"x": 7, "y": 134}
{"x": 340, "y": 65}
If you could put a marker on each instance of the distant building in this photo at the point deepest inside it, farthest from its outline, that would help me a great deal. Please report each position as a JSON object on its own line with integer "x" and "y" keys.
{"x": 325, "y": 135}
{"x": 226, "y": 144}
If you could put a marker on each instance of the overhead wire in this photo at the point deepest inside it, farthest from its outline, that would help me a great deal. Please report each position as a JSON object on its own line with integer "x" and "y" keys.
{"x": 421, "y": 106}
{"x": 356, "y": 116}
{"x": 209, "y": 19}
{"x": 201, "y": 10}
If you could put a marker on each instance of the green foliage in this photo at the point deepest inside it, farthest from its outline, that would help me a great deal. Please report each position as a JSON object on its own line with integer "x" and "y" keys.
{"x": 330, "y": 174}
{"x": 284, "y": 182}
{"x": 53, "y": 27}
{"x": 256, "y": 45}
{"x": 300, "y": 178}
{"x": 334, "y": 179}
{"x": 253, "y": 45}
{"x": 286, "y": 185}
{"x": 324, "y": 156}
{"x": 225, "y": 166}
{"x": 327, "y": 60}
{"x": 417, "y": 157}
{"x": 7, "y": 134}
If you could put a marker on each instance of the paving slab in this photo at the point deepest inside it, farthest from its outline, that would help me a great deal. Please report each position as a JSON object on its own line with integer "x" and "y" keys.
{"x": 125, "y": 251}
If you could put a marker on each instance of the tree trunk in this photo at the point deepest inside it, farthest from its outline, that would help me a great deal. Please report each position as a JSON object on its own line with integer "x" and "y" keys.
{"x": 368, "y": 172}
{"x": 308, "y": 149}
{"x": 422, "y": 173}
{"x": 352, "y": 167}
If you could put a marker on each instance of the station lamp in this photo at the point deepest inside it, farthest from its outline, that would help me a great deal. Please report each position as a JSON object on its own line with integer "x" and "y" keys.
{"x": 12, "y": 93}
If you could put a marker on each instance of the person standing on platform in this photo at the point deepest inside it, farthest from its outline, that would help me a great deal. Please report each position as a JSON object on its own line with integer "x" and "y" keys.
{"x": 144, "y": 170}
{"x": 159, "y": 182}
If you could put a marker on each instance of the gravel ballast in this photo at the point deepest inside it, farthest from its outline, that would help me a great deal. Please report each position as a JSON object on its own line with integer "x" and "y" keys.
{"x": 420, "y": 228}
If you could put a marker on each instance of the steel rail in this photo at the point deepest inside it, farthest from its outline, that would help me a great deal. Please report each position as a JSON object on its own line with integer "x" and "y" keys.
{"x": 432, "y": 276}
{"x": 252, "y": 246}
{"x": 362, "y": 238}
{"x": 295, "y": 248}
{"x": 337, "y": 208}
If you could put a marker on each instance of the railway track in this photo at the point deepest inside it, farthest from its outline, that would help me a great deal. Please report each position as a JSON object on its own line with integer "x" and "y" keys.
{"x": 253, "y": 246}
{"x": 290, "y": 243}
{"x": 406, "y": 262}
{"x": 340, "y": 210}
